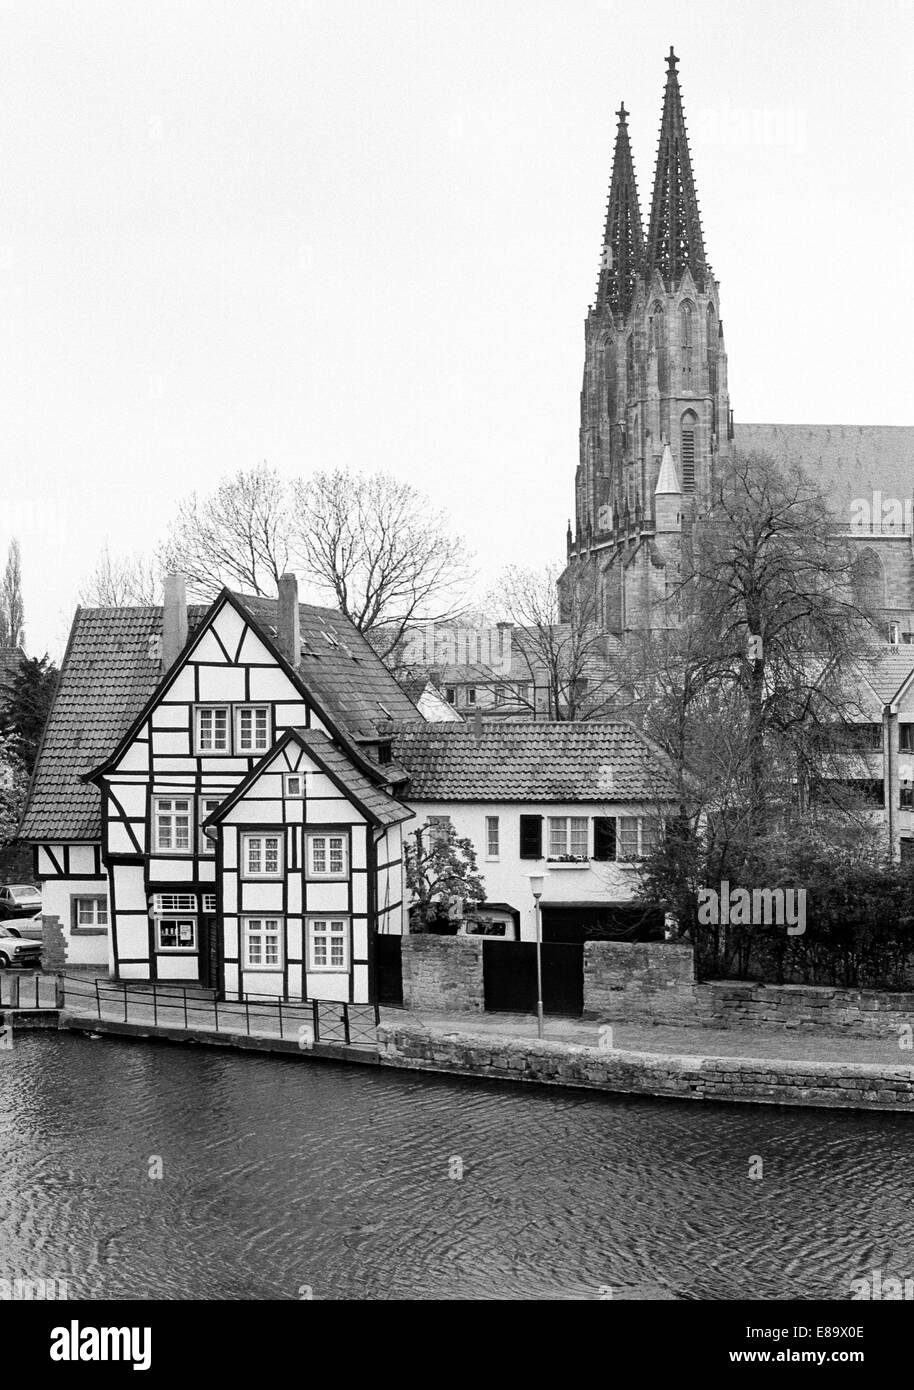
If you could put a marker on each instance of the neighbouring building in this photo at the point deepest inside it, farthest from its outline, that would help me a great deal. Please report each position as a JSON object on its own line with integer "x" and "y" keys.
{"x": 577, "y": 803}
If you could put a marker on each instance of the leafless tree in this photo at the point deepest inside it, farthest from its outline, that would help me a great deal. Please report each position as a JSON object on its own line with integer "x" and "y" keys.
{"x": 571, "y": 659}
{"x": 121, "y": 581}
{"x": 12, "y": 612}
{"x": 238, "y": 536}
{"x": 380, "y": 549}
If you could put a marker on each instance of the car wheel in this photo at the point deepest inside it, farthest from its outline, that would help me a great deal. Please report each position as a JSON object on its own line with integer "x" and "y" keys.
{"x": 4, "y": 961}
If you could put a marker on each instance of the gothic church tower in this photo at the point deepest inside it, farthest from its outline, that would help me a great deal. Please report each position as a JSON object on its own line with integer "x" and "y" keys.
{"x": 654, "y": 405}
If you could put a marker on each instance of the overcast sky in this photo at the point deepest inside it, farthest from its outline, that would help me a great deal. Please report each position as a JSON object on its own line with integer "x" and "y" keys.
{"x": 366, "y": 233}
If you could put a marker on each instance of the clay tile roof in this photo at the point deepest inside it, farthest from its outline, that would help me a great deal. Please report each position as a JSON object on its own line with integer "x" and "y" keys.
{"x": 600, "y": 761}
{"x": 341, "y": 667}
{"x": 106, "y": 677}
{"x": 10, "y": 657}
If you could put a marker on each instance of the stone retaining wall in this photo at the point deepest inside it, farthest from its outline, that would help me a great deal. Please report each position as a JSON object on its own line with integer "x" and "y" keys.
{"x": 625, "y": 981}
{"x": 442, "y": 973}
{"x": 841, "y": 1085}
{"x": 655, "y": 983}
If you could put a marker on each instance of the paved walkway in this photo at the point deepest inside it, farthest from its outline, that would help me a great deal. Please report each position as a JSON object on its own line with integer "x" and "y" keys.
{"x": 790, "y": 1045}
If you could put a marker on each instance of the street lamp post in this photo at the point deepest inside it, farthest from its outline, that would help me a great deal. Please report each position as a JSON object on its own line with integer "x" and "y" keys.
{"x": 536, "y": 888}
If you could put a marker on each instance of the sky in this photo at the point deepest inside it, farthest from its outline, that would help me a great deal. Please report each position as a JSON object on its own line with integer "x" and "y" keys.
{"x": 365, "y": 233}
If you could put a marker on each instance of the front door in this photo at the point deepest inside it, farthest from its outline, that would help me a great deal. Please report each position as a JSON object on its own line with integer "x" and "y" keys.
{"x": 210, "y": 965}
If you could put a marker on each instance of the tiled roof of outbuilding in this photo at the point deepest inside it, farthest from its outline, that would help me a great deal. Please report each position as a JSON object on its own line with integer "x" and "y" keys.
{"x": 603, "y": 761}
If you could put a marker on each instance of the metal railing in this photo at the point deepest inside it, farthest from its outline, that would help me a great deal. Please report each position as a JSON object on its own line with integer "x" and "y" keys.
{"x": 30, "y": 991}
{"x": 306, "y": 1021}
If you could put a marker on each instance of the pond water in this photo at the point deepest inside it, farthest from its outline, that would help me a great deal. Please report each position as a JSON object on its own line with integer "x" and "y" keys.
{"x": 284, "y": 1176}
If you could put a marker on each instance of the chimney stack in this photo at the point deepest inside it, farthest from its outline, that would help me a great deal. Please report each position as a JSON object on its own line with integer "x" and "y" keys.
{"x": 288, "y": 626}
{"x": 174, "y": 620}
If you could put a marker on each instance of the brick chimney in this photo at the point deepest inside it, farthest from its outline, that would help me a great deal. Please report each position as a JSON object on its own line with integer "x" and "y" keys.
{"x": 288, "y": 625}
{"x": 174, "y": 620}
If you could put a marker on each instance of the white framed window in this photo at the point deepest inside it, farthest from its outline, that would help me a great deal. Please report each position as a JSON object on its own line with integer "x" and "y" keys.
{"x": 294, "y": 785}
{"x": 208, "y": 903}
{"x": 262, "y": 855}
{"x": 263, "y": 943}
{"x": 492, "y": 840}
{"x": 629, "y": 839}
{"x": 328, "y": 855}
{"x": 172, "y": 824}
{"x": 176, "y": 934}
{"x": 471, "y": 695}
{"x": 252, "y": 728}
{"x": 450, "y": 694}
{"x": 211, "y": 729}
{"x": 637, "y": 836}
{"x": 90, "y": 913}
{"x": 568, "y": 837}
{"x": 168, "y": 904}
{"x": 207, "y": 804}
{"x": 328, "y": 943}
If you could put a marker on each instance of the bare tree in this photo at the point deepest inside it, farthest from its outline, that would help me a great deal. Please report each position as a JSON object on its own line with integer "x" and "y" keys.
{"x": 12, "y": 612}
{"x": 383, "y": 552}
{"x": 121, "y": 581}
{"x": 572, "y": 660}
{"x": 238, "y": 536}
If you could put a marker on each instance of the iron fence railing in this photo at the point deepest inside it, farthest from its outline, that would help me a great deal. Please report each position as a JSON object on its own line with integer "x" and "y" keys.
{"x": 306, "y": 1021}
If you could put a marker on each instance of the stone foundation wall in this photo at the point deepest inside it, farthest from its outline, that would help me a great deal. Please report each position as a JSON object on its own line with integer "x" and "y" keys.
{"x": 442, "y": 973}
{"x": 840, "y": 1085}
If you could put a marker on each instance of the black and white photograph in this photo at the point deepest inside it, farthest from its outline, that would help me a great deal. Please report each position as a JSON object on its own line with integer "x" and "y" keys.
{"x": 456, "y": 669}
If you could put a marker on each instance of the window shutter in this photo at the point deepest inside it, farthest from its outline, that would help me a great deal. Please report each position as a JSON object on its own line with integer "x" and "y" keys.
{"x": 531, "y": 837}
{"x": 604, "y": 837}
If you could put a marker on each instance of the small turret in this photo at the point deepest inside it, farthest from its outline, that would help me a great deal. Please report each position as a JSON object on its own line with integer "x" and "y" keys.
{"x": 668, "y": 495}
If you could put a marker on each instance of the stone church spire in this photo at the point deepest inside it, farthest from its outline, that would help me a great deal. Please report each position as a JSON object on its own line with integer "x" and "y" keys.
{"x": 623, "y": 239}
{"x": 674, "y": 240}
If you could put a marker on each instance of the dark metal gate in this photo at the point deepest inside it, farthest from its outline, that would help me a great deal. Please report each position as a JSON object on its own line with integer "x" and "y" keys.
{"x": 509, "y": 977}
{"x": 389, "y": 968}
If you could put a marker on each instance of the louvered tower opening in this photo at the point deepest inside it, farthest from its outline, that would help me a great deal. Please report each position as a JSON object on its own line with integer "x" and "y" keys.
{"x": 687, "y": 458}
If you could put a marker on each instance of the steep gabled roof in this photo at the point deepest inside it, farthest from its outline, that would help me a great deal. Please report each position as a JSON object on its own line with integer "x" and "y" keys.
{"x": 109, "y": 677}
{"x": 106, "y": 678}
{"x": 602, "y": 761}
{"x": 374, "y": 803}
{"x": 340, "y": 666}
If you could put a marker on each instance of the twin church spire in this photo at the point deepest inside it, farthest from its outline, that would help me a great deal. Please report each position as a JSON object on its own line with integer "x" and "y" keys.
{"x": 674, "y": 240}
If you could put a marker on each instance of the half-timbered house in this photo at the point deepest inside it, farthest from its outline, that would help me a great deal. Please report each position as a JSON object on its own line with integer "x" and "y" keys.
{"x": 198, "y": 768}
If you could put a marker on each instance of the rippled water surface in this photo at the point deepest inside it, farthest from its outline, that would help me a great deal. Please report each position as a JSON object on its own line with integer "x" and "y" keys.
{"x": 280, "y": 1174}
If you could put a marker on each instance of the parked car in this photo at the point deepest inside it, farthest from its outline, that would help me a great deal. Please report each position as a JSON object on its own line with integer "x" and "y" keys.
{"x": 19, "y": 900}
{"x": 17, "y": 950}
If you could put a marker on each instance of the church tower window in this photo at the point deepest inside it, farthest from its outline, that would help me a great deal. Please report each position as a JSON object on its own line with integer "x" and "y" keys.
{"x": 685, "y": 343}
{"x": 688, "y": 431}
{"x": 630, "y": 366}
{"x": 712, "y": 350}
